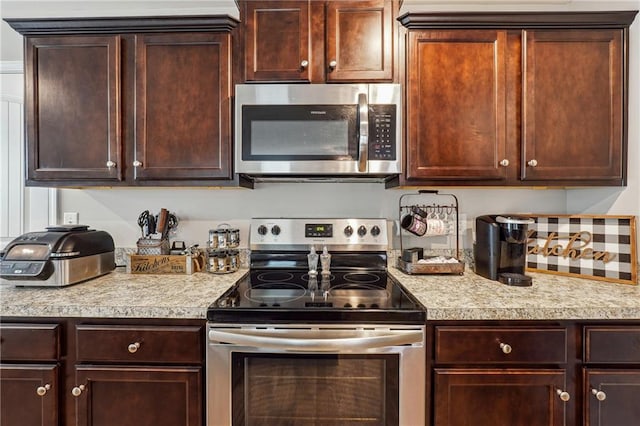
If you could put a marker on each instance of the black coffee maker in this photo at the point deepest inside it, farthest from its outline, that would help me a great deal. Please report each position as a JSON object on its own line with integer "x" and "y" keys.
{"x": 500, "y": 250}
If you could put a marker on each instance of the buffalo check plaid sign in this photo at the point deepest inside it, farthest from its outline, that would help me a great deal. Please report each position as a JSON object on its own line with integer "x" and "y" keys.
{"x": 596, "y": 247}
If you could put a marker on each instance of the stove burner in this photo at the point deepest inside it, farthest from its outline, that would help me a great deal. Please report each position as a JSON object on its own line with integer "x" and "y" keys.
{"x": 265, "y": 294}
{"x": 275, "y": 276}
{"x": 361, "y": 277}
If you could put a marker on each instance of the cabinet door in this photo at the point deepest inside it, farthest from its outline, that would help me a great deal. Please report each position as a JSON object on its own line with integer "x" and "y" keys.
{"x": 615, "y": 400}
{"x": 359, "y": 40}
{"x": 72, "y": 107}
{"x": 28, "y": 395}
{"x": 277, "y": 40}
{"x": 183, "y": 122}
{"x": 456, "y": 105}
{"x": 572, "y": 105}
{"x": 133, "y": 396}
{"x": 498, "y": 397}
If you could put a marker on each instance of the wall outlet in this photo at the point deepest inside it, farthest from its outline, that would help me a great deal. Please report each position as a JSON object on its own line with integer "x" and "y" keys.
{"x": 71, "y": 218}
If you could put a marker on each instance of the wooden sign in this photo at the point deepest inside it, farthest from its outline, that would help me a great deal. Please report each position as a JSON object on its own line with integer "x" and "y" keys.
{"x": 159, "y": 264}
{"x": 597, "y": 247}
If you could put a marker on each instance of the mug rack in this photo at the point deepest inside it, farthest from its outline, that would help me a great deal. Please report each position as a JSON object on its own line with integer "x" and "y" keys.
{"x": 426, "y": 202}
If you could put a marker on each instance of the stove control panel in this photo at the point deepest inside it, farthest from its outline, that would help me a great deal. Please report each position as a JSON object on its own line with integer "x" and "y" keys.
{"x": 301, "y": 233}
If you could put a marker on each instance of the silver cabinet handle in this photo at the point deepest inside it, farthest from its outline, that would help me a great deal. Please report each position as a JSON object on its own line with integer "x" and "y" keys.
{"x": 42, "y": 390}
{"x": 333, "y": 64}
{"x": 133, "y": 347}
{"x": 532, "y": 163}
{"x": 304, "y": 64}
{"x": 504, "y": 163}
{"x": 328, "y": 344}
{"x": 77, "y": 391}
{"x": 600, "y": 395}
{"x": 363, "y": 139}
{"x": 564, "y": 395}
{"x": 506, "y": 348}
{"x": 111, "y": 164}
{"x": 137, "y": 163}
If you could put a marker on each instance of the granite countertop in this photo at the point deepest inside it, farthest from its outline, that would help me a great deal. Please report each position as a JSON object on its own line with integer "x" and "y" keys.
{"x": 446, "y": 297}
{"x": 551, "y": 297}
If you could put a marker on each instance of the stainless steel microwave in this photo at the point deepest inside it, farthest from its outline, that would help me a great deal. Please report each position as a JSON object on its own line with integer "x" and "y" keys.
{"x": 318, "y": 130}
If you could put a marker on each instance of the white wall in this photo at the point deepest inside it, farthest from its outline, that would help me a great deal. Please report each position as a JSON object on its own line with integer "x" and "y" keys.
{"x": 116, "y": 210}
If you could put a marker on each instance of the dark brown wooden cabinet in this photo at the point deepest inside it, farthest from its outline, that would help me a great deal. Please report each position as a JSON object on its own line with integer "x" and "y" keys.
{"x": 611, "y": 377}
{"x": 501, "y": 375}
{"x": 128, "y": 101}
{"x": 319, "y": 41}
{"x": 102, "y": 372}
{"x": 517, "y": 99}
{"x": 29, "y": 374}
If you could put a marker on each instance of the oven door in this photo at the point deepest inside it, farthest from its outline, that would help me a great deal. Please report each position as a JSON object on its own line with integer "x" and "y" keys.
{"x": 311, "y": 374}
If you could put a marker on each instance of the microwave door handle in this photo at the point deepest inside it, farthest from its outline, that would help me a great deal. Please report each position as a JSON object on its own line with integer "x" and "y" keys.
{"x": 363, "y": 132}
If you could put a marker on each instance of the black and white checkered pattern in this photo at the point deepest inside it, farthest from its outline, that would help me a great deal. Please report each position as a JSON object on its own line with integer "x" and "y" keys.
{"x": 612, "y": 234}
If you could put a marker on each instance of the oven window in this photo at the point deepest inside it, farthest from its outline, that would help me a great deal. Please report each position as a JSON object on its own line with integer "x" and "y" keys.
{"x": 340, "y": 390}
{"x": 298, "y": 132}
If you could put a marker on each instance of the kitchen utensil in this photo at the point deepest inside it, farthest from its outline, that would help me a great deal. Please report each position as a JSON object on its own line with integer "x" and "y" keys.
{"x": 163, "y": 223}
{"x": 143, "y": 223}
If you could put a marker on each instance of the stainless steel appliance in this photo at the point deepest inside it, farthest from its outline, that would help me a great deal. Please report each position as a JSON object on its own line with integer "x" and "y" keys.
{"x": 60, "y": 256}
{"x": 297, "y": 343}
{"x": 337, "y": 130}
{"x": 500, "y": 250}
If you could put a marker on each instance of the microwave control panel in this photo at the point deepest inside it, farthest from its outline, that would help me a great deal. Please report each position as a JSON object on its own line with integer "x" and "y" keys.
{"x": 382, "y": 132}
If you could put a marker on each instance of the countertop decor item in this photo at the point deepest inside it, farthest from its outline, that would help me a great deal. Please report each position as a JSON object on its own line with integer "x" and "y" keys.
{"x": 424, "y": 216}
{"x": 597, "y": 247}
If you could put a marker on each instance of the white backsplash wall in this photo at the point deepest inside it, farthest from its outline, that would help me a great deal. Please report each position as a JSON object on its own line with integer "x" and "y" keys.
{"x": 116, "y": 210}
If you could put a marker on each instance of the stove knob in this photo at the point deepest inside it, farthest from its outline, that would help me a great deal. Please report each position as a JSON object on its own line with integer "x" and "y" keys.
{"x": 262, "y": 230}
{"x": 362, "y": 231}
{"x": 275, "y": 230}
{"x": 348, "y": 231}
{"x": 375, "y": 231}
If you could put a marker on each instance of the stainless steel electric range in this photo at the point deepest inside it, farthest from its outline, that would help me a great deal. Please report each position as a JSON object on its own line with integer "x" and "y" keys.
{"x": 317, "y": 332}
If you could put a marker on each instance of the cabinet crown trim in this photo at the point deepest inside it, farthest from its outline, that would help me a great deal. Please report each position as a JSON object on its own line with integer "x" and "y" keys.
{"x": 468, "y": 20}
{"x": 119, "y": 25}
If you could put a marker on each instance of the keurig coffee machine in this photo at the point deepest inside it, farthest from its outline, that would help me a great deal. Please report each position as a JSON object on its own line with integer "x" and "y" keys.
{"x": 500, "y": 250}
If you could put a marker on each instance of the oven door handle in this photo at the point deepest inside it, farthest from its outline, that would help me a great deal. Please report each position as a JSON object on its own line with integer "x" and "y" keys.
{"x": 325, "y": 344}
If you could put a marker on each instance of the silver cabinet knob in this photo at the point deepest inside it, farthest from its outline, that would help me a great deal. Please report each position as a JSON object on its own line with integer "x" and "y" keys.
{"x": 532, "y": 163}
{"x": 333, "y": 64}
{"x": 304, "y": 63}
{"x": 600, "y": 395}
{"x": 42, "y": 390}
{"x": 504, "y": 163}
{"x": 111, "y": 164}
{"x": 506, "y": 348}
{"x": 137, "y": 163}
{"x": 564, "y": 396}
{"x": 77, "y": 391}
{"x": 133, "y": 347}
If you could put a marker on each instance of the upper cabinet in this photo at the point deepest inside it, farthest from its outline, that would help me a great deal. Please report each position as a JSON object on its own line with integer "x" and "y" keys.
{"x": 517, "y": 99}
{"x": 319, "y": 41}
{"x": 128, "y": 101}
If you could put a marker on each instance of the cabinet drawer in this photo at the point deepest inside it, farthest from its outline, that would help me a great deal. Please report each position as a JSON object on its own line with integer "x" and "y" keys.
{"x": 140, "y": 344}
{"x": 29, "y": 342}
{"x": 612, "y": 345}
{"x": 501, "y": 345}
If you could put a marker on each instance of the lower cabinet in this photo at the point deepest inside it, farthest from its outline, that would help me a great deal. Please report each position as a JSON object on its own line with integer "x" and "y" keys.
{"x": 534, "y": 373}
{"x": 132, "y": 396}
{"x": 500, "y": 375}
{"x": 28, "y": 395}
{"x": 102, "y": 372}
{"x": 611, "y": 377}
{"x": 29, "y": 374}
{"x": 532, "y": 397}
